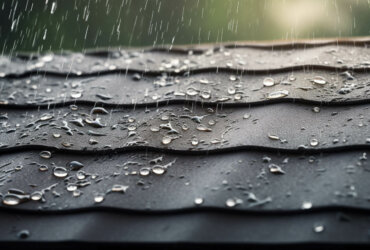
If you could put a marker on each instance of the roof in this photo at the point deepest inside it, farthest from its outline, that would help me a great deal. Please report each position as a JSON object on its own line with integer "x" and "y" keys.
{"x": 255, "y": 145}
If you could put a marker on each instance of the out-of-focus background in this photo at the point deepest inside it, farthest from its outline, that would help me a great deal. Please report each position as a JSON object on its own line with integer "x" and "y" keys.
{"x": 43, "y": 25}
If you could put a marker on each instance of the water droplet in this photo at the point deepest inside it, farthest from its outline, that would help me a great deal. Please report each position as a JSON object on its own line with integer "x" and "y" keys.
{"x": 55, "y": 135}
{"x": 232, "y": 202}
{"x": 306, "y": 205}
{"x": 231, "y": 90}
{"x": 53, "y": 7}
{"x": 268, "y": 82}
{"x": 36, "y": 196}
{"x": 319, "y": 80}
{"x": 119, "y": 188}
{"x": 46, "y": 117}
{"x": 274, "y": 137}
{"x": 154, "y": 129}
{"x": 158, "y": 170}
{"x": 81, "y": 175}
{"x": 11, "y": 200}
{"x": 99, "y": 198}
{"x": 232, "y": 78}
{"x": 316, "y": 109}
{"x": 76, "y": 94}
{"x": 205, "y": 94}
{"x": 203, "y": 128}
{"x": 246, "y": 116}
{"x": 191, "y": 92}
{"x": 75, "y": 165}
{"x": 318, "y": 228}
{"x": 198, "y": 201}
{"x": 45, "y": 154}
{"x": 144, "y": 171}
{"x": 99, "y": 110}
{"x": 23, "y": 234}
{"x": 314, "y": 142}
{"x": 278, "y": 94}
{"x": 43, "y": 168}
{"x": 71, "y": 187}
{"x": 275, "y": 169}
{"x": 166, "y": 140}
{"x": 194, "y": 141}
{"x": 136, "y": 77}
{"x": 60, "y": 172}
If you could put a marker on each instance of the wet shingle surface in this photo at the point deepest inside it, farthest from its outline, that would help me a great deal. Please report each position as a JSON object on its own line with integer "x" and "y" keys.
{"x": 176, "y": 139}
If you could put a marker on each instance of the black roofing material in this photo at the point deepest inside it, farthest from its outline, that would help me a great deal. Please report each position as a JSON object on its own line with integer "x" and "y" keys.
{"x": 283, "y": 126}
{"x": 343, "y": 87}
{"x": 304, "y": 181}
{"x": 187, "y": 146}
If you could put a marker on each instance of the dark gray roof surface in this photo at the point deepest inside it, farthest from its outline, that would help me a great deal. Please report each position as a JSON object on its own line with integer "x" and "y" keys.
{"x": 244, "y": 144}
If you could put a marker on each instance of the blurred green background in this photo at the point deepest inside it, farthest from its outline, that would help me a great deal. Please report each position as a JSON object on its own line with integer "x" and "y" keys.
{"x": 43, "y": 25}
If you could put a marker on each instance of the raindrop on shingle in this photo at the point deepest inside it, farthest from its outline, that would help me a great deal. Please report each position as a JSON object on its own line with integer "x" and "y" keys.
{"x": 231, "y": 90}
{"x": 81, "y": 175}
{"x": 246, "y": 116}
{"x": 191, "y": 91}
{"x": 11, "y": 200}
{"x": 318, "y": 228}
{"x": 46, "y": 117}
{"x": 23, "y": 234}
{"x": 203, "y": 128}
{"x": 314, "y": 142}
{"x": 119, "y": 188}
{"x": 278, "y": 94}
{"x": 198, "y": 201}
{"x": 166, "y": 140}
{"x": 136, "y": 77}
{"x": 232, "y": 202}
{"x": 75, "y": 165}
{"x": 154, "y": 129}
{"x": 158, "y": 170}
{"x": 76, "y": 95}
{"x": 60, "y": 172}
{"x": 43, "y": 168}
{"x": 273, "y": 137}
{"x": 306, "y": 205}
{"x": 36, "y": 196}
{"x": 71, "y": 187}
{"x": 194, "y": 141}
{"x": 205, "y": 94}
{"x": 319, "y": 80}
{"x": 45, "y": 154}
{"x": 232, "y": 78}
{"x": 99, "y": 198}
{"x": 268, "y": 82}
{"x": 275, "y": 169}
{"x": 316, "y": 109}
{"x": 99, "y": 110}
{"x": 56, "y": 135}
{"x": 144, "y": 171}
